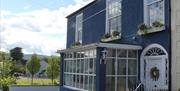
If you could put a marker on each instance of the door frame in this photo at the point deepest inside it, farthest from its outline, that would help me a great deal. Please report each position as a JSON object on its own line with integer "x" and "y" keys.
{"x": 143, "y": 57}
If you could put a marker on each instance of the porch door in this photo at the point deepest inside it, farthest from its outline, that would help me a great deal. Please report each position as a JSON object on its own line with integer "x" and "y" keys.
{"x": 155, "y": 73}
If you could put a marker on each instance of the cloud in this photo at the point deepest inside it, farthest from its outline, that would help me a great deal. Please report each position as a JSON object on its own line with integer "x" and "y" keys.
{"x": 42, "y": 31}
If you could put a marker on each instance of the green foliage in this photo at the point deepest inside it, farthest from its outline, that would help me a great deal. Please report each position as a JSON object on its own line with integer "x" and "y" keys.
{"x": 16, "y": 53}
{"x": 157, "y": 24}
{"x": 143, "y": 28}
{"x": 4, "y": 82}
{"x": 75, "y": 44}
{"x": 5, "y": 68}
{"x": 107, "y": 35}
{"x": 53, "y": 68}
{"x": 115, "y": 33}
{"x": 33, "y": 65}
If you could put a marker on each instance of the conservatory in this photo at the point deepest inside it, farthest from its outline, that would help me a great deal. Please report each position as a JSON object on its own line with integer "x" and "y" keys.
{"x": 100, "y": 67}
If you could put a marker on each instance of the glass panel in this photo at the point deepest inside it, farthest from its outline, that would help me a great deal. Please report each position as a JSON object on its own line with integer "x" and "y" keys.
{"x": 110, "y": 84}
{"x": 132, "y": 67}
{"x": 132, "y": 54}
{"x": 121, "y": 69}
{"x": 156, "y": 12}
{"x": 86, "y": 82}
{"x": 81, "y": 81}
{"x": 111, "y": 53}
{"x": 78, "y": 66}
{"x": 90, "y": 83}
{"x": 91, "y": 66}
{"x": 110, "y": 67}
{"x": 121, "y": 84}
{"x": 122, "y": 53}
{"x": 131, "y": 83}
{"x": 82, "y": 65}
{"x": 86, "y": 66}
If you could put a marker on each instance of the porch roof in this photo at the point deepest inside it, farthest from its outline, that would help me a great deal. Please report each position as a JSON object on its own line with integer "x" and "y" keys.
{"x": 105, "y": 45}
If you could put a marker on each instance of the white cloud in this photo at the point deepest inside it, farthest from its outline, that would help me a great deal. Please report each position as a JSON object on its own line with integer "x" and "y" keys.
{"x": 41, "y": 31}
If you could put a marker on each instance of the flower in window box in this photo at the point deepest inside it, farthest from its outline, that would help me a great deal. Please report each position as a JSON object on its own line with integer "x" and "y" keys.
{"x": 143, "y": 28}
{"x": 157, "y": 24}
{"x": 75, "y": 44}
{"x": 115, "y": 33}
{"x": 107, "y": 35}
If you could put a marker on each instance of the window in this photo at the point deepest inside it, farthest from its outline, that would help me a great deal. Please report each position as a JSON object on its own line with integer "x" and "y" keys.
{"x": 121, "y": 69}
{"x": 80, "y": 70}
{"x": 153, "y": 11}
{"x": 79, "y": 25}
{"x": 113, "y": 16}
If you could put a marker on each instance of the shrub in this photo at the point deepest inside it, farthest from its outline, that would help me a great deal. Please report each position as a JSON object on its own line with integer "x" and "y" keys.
{"x": 107, "y": 35}
{"x": 115, "y": 33}
{"x": 143, "y": 28}
{"x": 157, "y": 24}
{"x": 75, "y": 44}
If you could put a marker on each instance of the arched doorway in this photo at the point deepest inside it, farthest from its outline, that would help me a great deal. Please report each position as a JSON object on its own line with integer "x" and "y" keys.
{"x": 154, "y": 68}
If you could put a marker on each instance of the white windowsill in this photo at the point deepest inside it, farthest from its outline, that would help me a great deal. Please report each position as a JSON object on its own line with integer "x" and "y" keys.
{"x": 111, "y": 39}
{"x": 152, "y": 30}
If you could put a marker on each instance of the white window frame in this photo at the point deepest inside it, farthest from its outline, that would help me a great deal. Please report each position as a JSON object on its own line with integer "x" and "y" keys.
{"x": 108, "y": 17}
{"x": 116, "y": 76}
{"x": 146, "y": 13}
{"x": 70, "y": 62}
{"x": 79, "y": 24}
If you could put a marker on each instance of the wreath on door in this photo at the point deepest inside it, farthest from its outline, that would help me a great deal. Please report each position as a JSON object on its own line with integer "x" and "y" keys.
{"x": 154, "y": 73}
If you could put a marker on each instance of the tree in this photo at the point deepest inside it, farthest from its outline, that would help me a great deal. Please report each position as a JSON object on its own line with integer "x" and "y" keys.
{"x": 5, "y": 68}
{"x": 33, "y": 65}
{"x": 53, "y": 68}
{"x": 16, "y": 54}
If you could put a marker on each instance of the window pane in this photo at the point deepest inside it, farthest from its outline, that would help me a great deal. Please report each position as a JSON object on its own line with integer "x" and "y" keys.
{"x": 121, "y": 84}
{"x": 86, "y": 82}
{"x": 121, "y": 66}
{"x": 131, "y": 83}
{"x": 111, "y": 53}
{"x": 110, "y": 84}
{"x": 122, "y": 53}
{"x": 81, "y": 81}
{"x": 110, "y": 67}
{"x": 91, "y": 66}
{"x": 132, "y": 54}
{"x": 132, "y": 67}
{"x": 156, "y": 12}
{"x": 90, "y": 83}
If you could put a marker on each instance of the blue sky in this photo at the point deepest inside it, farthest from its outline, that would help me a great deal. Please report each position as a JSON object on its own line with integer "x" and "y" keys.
{"x": 35, "y": 25}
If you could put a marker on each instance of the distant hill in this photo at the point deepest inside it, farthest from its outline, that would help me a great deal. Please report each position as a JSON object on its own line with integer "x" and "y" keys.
{"x": 28, "y": 56}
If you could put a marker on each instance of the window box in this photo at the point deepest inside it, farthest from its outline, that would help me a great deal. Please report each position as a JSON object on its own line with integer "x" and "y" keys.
{"x": 75, "y": 44}
{"x": 144, "y": 29}
{"x": 110, "y": 37}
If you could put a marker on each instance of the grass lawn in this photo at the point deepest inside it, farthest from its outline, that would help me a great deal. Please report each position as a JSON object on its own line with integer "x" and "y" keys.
{"x": 35, "y": 82}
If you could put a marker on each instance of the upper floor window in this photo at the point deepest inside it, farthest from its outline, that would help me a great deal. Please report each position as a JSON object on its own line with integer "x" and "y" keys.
{"x": 154, "y": 11}
{"x": 113, "y": 16}
{"x": 79, "y": 25}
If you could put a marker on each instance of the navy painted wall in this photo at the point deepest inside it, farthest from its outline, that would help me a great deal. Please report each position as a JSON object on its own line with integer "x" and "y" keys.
{"x": 93, "y": 28}
{"x": 132, "y": 16}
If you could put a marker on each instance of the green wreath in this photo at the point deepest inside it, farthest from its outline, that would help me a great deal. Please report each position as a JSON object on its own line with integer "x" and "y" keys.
{"x": 155, "y": 73}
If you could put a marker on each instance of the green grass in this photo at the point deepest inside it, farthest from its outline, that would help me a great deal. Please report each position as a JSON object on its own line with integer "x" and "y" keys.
{"x": 35, "y": 82}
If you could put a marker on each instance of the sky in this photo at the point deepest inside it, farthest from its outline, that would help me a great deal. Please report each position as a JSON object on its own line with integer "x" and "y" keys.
{"x": 37, "y": 26}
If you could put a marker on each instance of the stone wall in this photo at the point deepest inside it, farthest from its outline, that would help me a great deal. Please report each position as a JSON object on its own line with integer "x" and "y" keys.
{"x": 175, "y": 16}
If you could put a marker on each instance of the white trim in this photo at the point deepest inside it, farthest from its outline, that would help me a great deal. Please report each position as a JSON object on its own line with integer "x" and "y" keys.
{"x": 146, "y": 13}
{"x": 142, "y": 58}
{"x": 106, "y": 45}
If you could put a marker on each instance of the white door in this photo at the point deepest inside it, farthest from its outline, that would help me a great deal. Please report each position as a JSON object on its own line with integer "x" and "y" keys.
{"x": 155, "y": 73}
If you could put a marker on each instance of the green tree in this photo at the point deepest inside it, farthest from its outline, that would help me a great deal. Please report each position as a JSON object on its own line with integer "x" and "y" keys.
{"x": 53, "y": 68}
{"x": 5, "y": 68}
{"x": 33, "y": 65}
{"x": 16, "y": 54}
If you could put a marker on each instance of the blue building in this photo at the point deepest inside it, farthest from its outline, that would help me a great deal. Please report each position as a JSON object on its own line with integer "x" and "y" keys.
{"x": 118, "y": 45}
